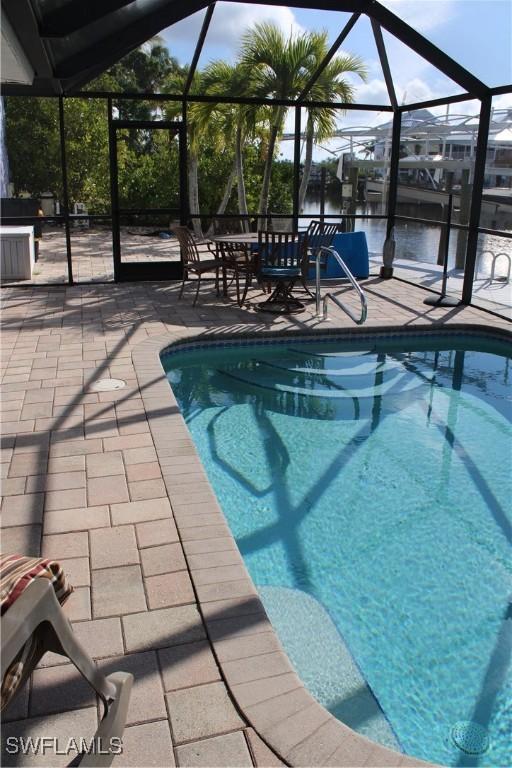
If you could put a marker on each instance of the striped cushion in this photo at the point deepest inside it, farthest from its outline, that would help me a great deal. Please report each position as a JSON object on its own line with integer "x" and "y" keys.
{"x": 16, "y": 574}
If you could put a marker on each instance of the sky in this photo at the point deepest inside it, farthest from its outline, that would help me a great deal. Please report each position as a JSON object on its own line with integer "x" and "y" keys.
{"x": 476, "y": 33}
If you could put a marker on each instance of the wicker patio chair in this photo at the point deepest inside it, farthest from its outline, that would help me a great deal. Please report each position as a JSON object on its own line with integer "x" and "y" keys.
{"x": 191, "y": 253}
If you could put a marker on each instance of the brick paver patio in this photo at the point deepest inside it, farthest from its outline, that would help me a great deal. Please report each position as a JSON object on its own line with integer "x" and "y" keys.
{"x": 91, "y": 250}
{"x": 92, "y": 261}
{"x": 86, "y": 480}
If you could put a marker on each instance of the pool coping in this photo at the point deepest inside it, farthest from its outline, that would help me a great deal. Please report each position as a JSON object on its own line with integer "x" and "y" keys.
{"x": 258, "y": 674}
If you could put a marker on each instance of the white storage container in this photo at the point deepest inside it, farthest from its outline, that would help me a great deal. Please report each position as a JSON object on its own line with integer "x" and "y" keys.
{"x": 17, "y": 253}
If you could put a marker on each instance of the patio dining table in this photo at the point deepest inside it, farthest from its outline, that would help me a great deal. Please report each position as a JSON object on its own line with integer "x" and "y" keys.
{"x": 247, "y": 238}
{"x": 248, "y": 242}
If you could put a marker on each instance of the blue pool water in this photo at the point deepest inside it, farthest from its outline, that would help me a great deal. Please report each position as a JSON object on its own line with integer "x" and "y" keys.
{"x": 370, "y": 495}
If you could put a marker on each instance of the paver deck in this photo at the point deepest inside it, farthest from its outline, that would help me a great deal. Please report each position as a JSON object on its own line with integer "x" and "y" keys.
{"x": 93, "y": 262}
{"x": 91, "y": 251}
{"x": 99, "y": 481}
{"x": 494, "y": 295}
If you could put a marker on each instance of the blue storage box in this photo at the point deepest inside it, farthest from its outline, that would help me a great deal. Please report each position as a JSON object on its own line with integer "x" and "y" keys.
{"x": 353, "y": 249}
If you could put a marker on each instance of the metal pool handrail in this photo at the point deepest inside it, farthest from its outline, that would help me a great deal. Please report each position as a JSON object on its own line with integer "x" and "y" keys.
{"x": 352, "y": 280}
{"x": 494, "y": 259}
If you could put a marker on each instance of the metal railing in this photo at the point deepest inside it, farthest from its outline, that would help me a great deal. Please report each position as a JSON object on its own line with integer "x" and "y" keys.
{"x": 494, "y": 259}
{"x": 364, "y": 304}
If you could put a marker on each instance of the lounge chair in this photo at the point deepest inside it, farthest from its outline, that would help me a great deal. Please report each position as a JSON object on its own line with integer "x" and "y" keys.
{"x": 32, "y": 623}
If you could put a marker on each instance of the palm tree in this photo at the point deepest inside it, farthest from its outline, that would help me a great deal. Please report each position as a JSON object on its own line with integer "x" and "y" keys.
{"x": 236, "y": 122}
{"x": 278, "y": 68}
{"x": 198, "y": 126}
{"x": 330, "y": 86}
{"x": 222, "y": 125}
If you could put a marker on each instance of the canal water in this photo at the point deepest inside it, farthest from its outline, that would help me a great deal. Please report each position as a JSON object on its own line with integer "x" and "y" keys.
{"x": 414, "y": 241}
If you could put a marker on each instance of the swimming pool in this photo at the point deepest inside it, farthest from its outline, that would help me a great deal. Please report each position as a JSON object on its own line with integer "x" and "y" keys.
{"x": 369, "y": 494}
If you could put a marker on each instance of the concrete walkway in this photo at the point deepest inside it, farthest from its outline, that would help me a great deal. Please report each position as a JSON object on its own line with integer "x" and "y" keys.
{"x": 82, "y": 482}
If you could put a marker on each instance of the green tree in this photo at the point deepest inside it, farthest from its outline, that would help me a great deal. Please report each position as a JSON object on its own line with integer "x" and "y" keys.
{"x": 33, "y": 142}
{"x": 33, "y": 148}
{"x": 230, "y": 145}
{"x": 202, "y": 132}
{"x": 330, "y": 86}
{"x": 277, "y": 67}
{"x": 216, "y": 134}
{"x": 237, "y": 123}
{"x": 148, "y": 179}
{"x": 87, "y": 151}
{"x": 145, "y": 70}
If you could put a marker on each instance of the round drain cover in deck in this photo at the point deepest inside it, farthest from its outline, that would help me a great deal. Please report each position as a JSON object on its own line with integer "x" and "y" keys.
{"x": 107, "y": 385}
{"x": 470, "y": 738}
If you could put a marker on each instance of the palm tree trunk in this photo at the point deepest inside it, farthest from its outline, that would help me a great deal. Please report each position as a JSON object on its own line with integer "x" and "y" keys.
{"x": 225, "y": 198}
{"x": 227, "y": 192}
{"x": 308, "y": 162}
{"x": 265, "y": 188}
{"x": 239, "y": 164}
{"x": 193, "y": 192}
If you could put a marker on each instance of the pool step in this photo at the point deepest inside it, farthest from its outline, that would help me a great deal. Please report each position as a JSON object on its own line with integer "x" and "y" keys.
{"x": 323, "y": 661}
{"x": 329, "y": 355}
{"x": 331, "y": 385}
{"x": 345, "y": 368}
